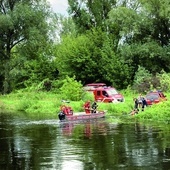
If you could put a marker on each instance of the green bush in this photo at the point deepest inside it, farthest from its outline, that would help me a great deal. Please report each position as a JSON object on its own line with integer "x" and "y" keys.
{"x": 144, "y": 81}
{"x": 24, "y": 105}
{"x": 164, "y": 81}
{"x": 141, "y": 80}
{"x": 71, "y": 89}
{"x": 156, "y": 112}
{"x": 87, "y": 96}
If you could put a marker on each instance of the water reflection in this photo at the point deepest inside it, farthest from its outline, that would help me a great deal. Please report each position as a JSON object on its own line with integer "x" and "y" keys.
{"x": 90, "y": 145}
{"x": 86, "y": 128}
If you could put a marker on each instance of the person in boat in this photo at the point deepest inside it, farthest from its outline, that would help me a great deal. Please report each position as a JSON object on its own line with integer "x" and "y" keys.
{"x": 94, "y": 107}
{"x": 61, "y": 115}
{"x": 87, "y": 107}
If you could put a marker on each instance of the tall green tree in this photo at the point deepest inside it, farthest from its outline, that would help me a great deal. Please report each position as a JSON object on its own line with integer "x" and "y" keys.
{"x": 132, "y": 33}
{"x": 90, "y": 58}
{"x": 158, "y": 11}
{"x": 65, "y": 26}
{"x": 88, "y": 14}
{"x": 26, "y": 25}
{"x": 144, "y": 35}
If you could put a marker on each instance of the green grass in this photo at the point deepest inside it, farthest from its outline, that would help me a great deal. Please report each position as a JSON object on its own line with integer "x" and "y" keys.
{"x": 47, "y": 105}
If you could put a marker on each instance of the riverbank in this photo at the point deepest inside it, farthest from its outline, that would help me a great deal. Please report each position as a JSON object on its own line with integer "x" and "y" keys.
{"x": 47, "y": 105}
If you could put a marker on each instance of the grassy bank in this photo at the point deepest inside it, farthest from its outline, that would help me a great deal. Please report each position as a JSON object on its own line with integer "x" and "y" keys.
{"x": 47, "y": 105}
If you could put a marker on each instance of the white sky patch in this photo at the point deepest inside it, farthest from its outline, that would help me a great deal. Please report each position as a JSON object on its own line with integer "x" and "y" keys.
{"x": 59, "y": 6}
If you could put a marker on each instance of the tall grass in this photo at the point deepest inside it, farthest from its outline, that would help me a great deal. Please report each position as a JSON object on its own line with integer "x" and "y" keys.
{"x": 47, "y": 105}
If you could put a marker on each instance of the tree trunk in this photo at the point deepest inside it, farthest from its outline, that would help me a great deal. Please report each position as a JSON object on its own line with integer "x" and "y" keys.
{"x": 6, "y": 86}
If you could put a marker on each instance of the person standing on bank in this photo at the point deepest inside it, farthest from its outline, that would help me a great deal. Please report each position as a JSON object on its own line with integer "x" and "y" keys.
{"x": 135, "y": 109}
{"x": 140, "y": 100}
{"x": 136, "y": 104}
{"x": 144, "y": 103}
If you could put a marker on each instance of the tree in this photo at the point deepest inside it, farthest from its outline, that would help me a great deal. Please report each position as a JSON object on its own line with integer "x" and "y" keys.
{"x": 119, "y": 34}
{"x": 88, "y": 14}
{"x": 158, "y": 12}
{"x": 25, "y": 25}
{"x": 144, "y": 35}
{"x": 90, "y": 58}
{"x": 66, "y": 26}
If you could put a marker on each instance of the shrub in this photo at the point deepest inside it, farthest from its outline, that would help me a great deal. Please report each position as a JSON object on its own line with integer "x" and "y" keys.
{"x": 164, "y": 81}
{"x": 142, "y": 80}
{"x": 71, "y": 89}
{"x": 87, "y": 96}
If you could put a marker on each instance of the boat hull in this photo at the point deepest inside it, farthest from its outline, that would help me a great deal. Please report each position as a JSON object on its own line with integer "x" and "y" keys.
{"x": 84, "y": 116}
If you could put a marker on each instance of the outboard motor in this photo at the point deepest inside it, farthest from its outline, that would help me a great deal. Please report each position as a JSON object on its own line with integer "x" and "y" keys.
{"x": 61, "y": 115}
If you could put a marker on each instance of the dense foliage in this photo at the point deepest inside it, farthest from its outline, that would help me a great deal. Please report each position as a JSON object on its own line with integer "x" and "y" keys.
{"x": 132, "y": 37}
{"x": 25, "y": 42}
{"x": 121, "y": 43}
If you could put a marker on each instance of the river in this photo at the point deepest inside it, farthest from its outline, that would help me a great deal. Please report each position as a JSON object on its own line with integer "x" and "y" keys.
{"x": 91, "y": 145}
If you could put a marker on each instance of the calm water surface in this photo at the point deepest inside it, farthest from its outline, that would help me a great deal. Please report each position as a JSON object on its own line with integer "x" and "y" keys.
{"x": 94, "y": 145}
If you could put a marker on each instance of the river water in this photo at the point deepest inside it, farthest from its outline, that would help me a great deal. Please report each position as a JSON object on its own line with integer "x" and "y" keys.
{"x": 92, "y": 145}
